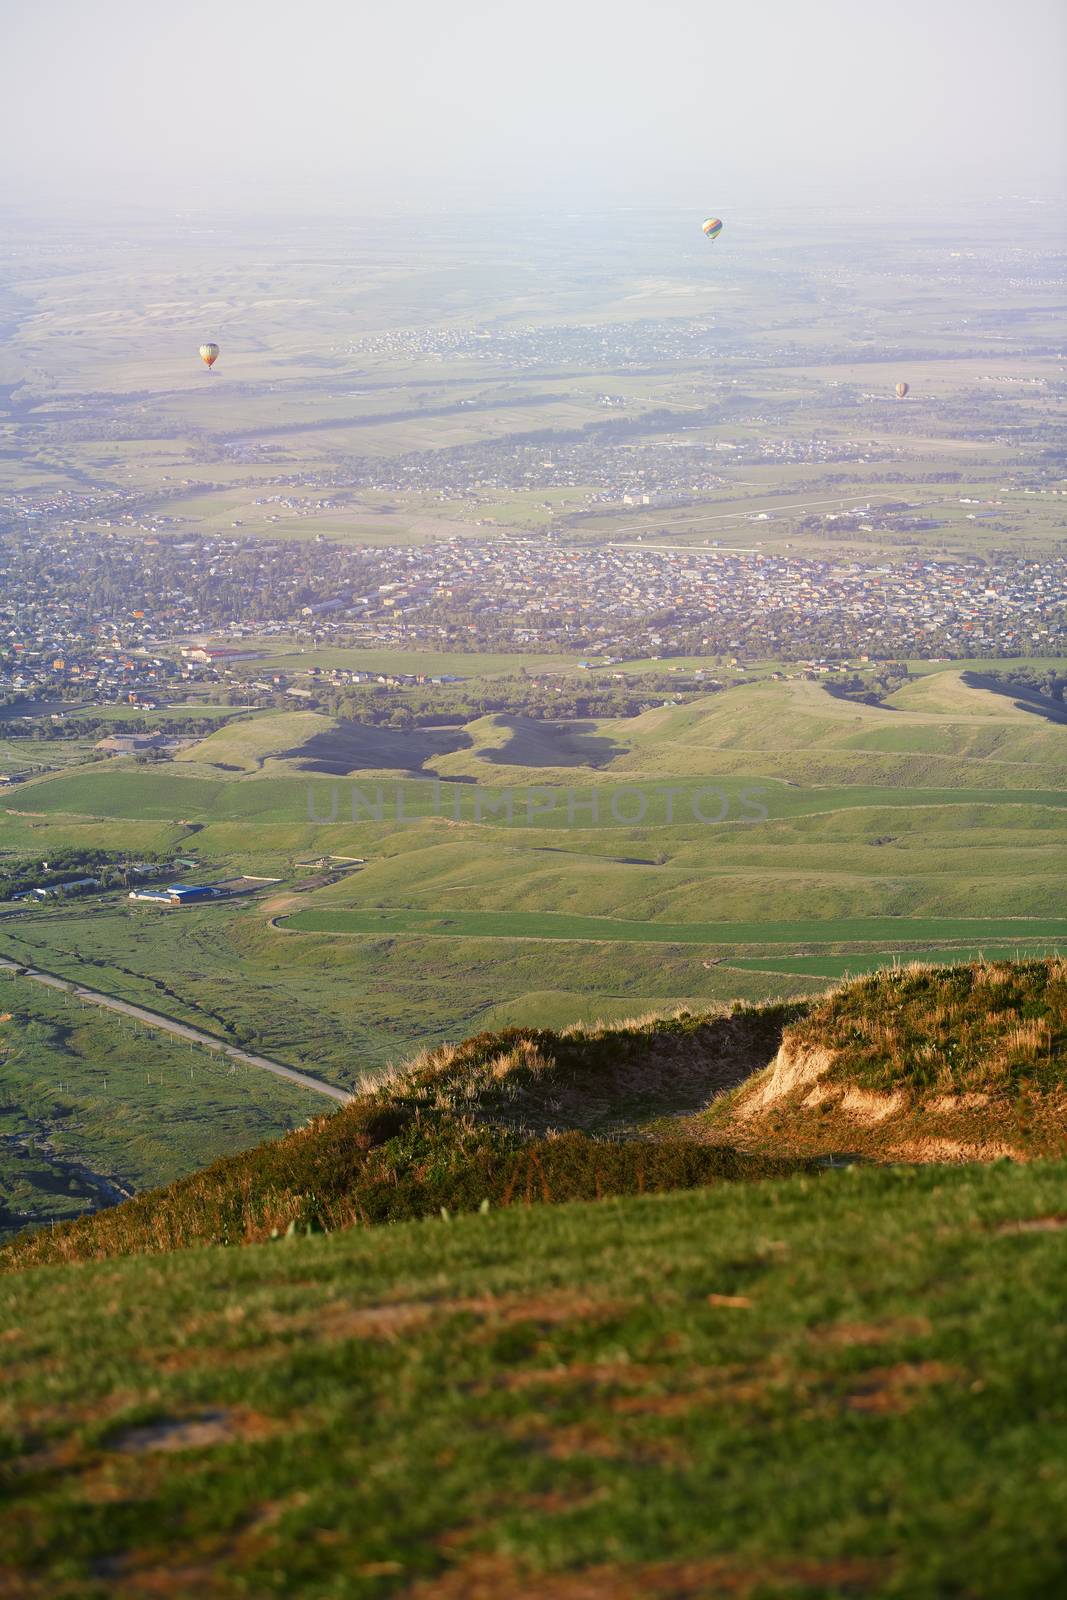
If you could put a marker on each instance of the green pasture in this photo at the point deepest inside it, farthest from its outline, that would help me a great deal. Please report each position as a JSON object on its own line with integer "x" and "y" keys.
{"x": 279, "y": 655}
{"x": 838, "y": 966}
{"x": 814, "y": 1386}
{"x": 120, "y": 792}
{"x": 342, "y": 1007}
{"x": 505, "y": 925}
{"x": 181, "y": 711}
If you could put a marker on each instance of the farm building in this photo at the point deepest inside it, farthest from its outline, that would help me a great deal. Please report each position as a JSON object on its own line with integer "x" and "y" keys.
{"x": 179, "y": 894}
{"x": 54, "y": 891}
{"x": 187, "y": 893}
{"x": 130, "y": 744}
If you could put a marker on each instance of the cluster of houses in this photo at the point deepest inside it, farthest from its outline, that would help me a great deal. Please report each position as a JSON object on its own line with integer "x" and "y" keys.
{"x": 175, "y": 894}
{"x": 145, "y": 875}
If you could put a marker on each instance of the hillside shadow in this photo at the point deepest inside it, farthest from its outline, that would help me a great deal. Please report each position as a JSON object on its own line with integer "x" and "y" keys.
{"x": 624, "y": 1079}
{"x": 1022, "y": 697}
{"x": 356, "y": 747}
{"x": 552, "y": 744}
{"x": 870, "y": 698}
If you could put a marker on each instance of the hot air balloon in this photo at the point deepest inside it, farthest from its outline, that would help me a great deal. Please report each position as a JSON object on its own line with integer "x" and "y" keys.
{"x": 902, "y": 389}
{"x": 712, "y": 228}
{"x": 209, "y": 354}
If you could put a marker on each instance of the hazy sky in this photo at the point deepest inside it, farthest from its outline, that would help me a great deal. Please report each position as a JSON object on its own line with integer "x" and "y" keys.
{"x": 417, "y": 102}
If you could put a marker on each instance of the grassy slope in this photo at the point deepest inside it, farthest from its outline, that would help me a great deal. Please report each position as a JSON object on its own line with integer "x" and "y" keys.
{"x": 802, "y": 1388}
{"x": 921, "y": 1063}
{"x": 550, "y": 925}
{"x": 247, "y": 744}
{"x": 457, "y": 1127}
{"x": 937, "y": 732}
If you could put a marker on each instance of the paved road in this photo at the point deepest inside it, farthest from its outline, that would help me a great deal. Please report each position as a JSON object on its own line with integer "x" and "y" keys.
{"x": 181, "y": 1030}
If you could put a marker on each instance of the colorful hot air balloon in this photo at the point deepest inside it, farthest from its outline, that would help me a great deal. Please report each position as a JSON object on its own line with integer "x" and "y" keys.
{"x": 209, "y": 354}
{"x": 712, "y": 228}
{"x": 902, "y": 389}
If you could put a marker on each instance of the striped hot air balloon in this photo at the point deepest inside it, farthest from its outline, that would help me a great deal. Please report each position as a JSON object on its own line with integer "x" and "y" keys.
{"x": 902, "y": 389}
{"x": 209, "y": 354}
{"x": 712, "y": 228}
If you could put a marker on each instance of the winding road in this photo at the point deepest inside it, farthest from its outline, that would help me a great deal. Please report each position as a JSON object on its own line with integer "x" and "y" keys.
{"x": 180, "y": 1030}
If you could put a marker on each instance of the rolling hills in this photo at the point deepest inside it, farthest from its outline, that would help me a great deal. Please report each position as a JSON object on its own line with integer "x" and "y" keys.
{"x": 933, "y": 829}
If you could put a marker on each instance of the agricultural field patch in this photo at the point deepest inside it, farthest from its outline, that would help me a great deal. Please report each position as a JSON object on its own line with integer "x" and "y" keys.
{"x": 97, "y": 1107}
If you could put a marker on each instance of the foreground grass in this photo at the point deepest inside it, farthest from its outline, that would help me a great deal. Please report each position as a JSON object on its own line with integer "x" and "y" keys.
{"x": 849, "y": 1384}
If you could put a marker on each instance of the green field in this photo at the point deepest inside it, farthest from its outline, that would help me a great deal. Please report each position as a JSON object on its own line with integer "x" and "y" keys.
{"x": 96, "y": 1105}
{"x": 501, "y": 925}
{"x": 116, "y": 791}
{"x": 431, "y": 663}
{"x": 847, "y": 1384}
{"x": 831, "y": 967}
{"x": 344, "y": 1007}
{"x": 181, "y": 711}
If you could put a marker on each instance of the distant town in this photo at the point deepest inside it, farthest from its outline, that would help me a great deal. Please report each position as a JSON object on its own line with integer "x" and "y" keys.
{"x": 121, "y": 618}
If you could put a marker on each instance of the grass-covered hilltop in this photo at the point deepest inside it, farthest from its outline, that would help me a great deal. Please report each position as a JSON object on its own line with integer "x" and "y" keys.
{"x": 829, "y": 1362}
{"x": 914, "y": 1064}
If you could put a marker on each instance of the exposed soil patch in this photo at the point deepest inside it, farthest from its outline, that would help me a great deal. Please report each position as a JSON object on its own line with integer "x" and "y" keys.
{"x": 338, "y": 1320}
{"x": 488, "y": 1577}
{"x": 1054, "y": 1224}
{"x": 920, "y": 1064}
{"x": 202, "y": 1432}
{"x": 845, "y": 1334}
{"x": 885, "y": 1389}
{"x": 576, "y": 1441}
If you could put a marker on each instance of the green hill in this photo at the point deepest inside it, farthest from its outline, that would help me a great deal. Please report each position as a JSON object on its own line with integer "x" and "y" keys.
{"x": 245, "y": 746}
{"x": 936, "y": 732}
